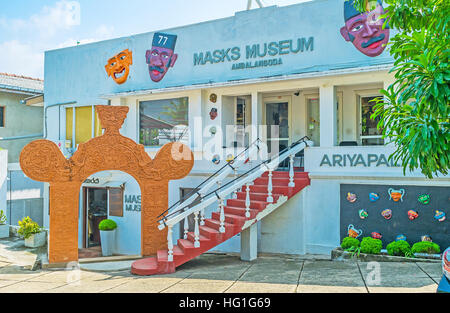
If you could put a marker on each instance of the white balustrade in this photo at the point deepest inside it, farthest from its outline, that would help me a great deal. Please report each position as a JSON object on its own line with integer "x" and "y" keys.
{"x": 247, "y": 201}
{"x": 270, "y": 187}
{"x": 186, "y": 227}
{"x": 291, "y": 171}
{"x": 196, "y": 231}
{"x": 169, "y": 244}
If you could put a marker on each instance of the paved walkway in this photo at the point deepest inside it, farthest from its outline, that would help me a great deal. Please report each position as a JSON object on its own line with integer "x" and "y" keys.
{"x": 214, "y": 273}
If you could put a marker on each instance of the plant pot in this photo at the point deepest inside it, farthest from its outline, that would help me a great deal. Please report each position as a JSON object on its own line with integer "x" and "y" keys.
{"x": 36, "y": 240}
{"x": 4, "y": 231}
{"x": 108, "y": 241}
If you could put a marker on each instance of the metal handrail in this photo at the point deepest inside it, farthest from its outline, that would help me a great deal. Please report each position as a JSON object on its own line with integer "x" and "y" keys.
{"x": 189, "y": 198}
{"x": 224, "y": 190}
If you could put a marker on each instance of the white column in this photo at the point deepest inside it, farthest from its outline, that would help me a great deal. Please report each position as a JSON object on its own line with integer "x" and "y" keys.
{"x": 256, "y": 115}
{"x": 249, "y": 243}
{"x": 328, "y": 114}
{"x": 195, "y": 120}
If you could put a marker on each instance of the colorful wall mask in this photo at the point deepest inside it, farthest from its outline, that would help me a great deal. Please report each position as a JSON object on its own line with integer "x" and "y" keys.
{"x": 373, "y": 197}
{"x": 213, "y": 98}
{"x": 351, "y": 197}
{"x": 400, "y": 238}
{"x": 162, "y": 55}
{"x": 216, "y": 159}
{"x": 213, "y": 114}
{"x": 365, "y": 30}
{"x": 387, "y": 214}
{"x": 363, "y": 214}
{"x": 424, "y": 199}
{"x": 412, "y": 215}
{"x": 396, "y": 195}
{"x": 376, "y": 235}
{"x": 353, "y": 232}
{"x": 440, "y": 216}
{"x": 118, "y": 66}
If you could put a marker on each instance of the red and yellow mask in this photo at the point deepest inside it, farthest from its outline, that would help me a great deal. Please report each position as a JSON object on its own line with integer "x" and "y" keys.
{"x": 118, "y": 66}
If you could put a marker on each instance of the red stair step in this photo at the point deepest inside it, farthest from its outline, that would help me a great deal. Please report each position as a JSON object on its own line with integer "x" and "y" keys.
{"x": 202, "y": 239}
{"x": 285, "y": 174}
{"x": 230, "y": 218}
{"x": 145, "y": 267}
{"x": 259, "y": 205}
{"x": 186, "y": 245}
{"x": 256, "y": 196}
{"x": 240, "y": 211}
{"x": 215, "y": 224}
{"x": 209, "y": 232}
{"x": 284, "y": 190}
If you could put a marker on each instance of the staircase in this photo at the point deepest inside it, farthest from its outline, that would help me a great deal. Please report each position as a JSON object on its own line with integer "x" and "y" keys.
{"x": 250, "y": 205}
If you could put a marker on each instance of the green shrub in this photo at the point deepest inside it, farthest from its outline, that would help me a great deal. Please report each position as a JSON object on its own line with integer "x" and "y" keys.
{"x": 107, "y": 225}
{"x": 426, "y": 247}
{"x": 28, "y": 227}
{"x": 349, "y": 242}
{"x": 399, "y": 248}
{"x": 371, "y": 246}
{"x": 2, "y": 218}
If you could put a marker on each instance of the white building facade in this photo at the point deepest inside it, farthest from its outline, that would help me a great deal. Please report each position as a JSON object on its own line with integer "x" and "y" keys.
{"x": 289, "y": 67}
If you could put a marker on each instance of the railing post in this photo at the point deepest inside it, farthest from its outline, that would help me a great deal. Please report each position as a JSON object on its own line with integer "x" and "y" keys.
{"x": 169, "y": 244}
{"x": 236, "y": 191}
{"x": 186, "y": 227}
{"x": 291, "y": 171}
{"x": 222, "y": 216}
{"x": 202, "y": 217}
{"x": 247, "y": 201}
{"x": 196, "y": 232}
{"x": 270, "y": 187}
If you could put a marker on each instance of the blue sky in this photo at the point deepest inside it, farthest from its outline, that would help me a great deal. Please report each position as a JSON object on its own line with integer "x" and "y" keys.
{"x": 30, "y": 27}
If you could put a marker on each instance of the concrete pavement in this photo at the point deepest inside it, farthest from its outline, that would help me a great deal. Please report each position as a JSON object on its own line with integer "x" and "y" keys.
{"x": 215, "y": 273}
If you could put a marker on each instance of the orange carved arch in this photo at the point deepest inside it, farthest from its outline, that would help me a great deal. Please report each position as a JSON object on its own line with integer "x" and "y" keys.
{"x": 41, "y": 160}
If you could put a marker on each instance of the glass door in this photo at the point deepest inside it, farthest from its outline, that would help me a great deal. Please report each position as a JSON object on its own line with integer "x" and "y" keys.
{"x": 370, "y": 135}
{"x": 97, "y": 211}
{"x": 277, "y": 120}
{"x": 313, "y": 122}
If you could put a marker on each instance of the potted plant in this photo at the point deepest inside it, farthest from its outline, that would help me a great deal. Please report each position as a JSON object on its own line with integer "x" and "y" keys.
{"x": 34, "y": 235}
{"x": 107, "y": 236}
{"x": 4, "y": 228}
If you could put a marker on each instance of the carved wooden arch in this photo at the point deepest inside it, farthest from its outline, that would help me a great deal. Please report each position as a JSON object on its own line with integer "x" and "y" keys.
{"x": 41, "y": 160}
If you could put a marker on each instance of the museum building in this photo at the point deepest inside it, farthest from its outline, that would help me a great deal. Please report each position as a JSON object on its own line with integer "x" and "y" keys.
{"x": 272, "y": 75}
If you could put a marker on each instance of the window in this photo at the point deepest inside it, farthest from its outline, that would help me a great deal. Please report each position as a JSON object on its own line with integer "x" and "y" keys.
{"x": 2, "y": 116}
{"x": 115, "y": 202}
{"x": 86, "y": 126}
{"x": 370, "y": 135}
{"x": 163, "y": 121}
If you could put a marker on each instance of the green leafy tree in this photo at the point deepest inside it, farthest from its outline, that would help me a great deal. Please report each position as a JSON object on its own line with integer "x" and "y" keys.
{"x": 415, "y": 110}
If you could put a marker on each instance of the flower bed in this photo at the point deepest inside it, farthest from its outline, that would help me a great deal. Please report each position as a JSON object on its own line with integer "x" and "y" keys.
{"x": 339, "y": 254}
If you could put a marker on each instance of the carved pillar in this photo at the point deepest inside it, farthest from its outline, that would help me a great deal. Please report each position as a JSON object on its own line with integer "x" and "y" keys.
{"x": 155, "y": 196}
{"x": 63, "y": 238}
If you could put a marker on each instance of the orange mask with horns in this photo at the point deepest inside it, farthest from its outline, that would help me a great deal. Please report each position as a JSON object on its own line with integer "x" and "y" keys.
{"x": 118, "y": 67}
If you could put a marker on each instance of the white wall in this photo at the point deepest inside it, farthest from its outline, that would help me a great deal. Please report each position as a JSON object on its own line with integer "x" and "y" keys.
{"x": 3, "y": 179}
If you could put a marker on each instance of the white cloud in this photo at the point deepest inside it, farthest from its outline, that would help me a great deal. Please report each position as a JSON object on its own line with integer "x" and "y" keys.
{"x": 22, "y": 59}
{"x": 62, "y": 16}
{"x": 43, "y": 31}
